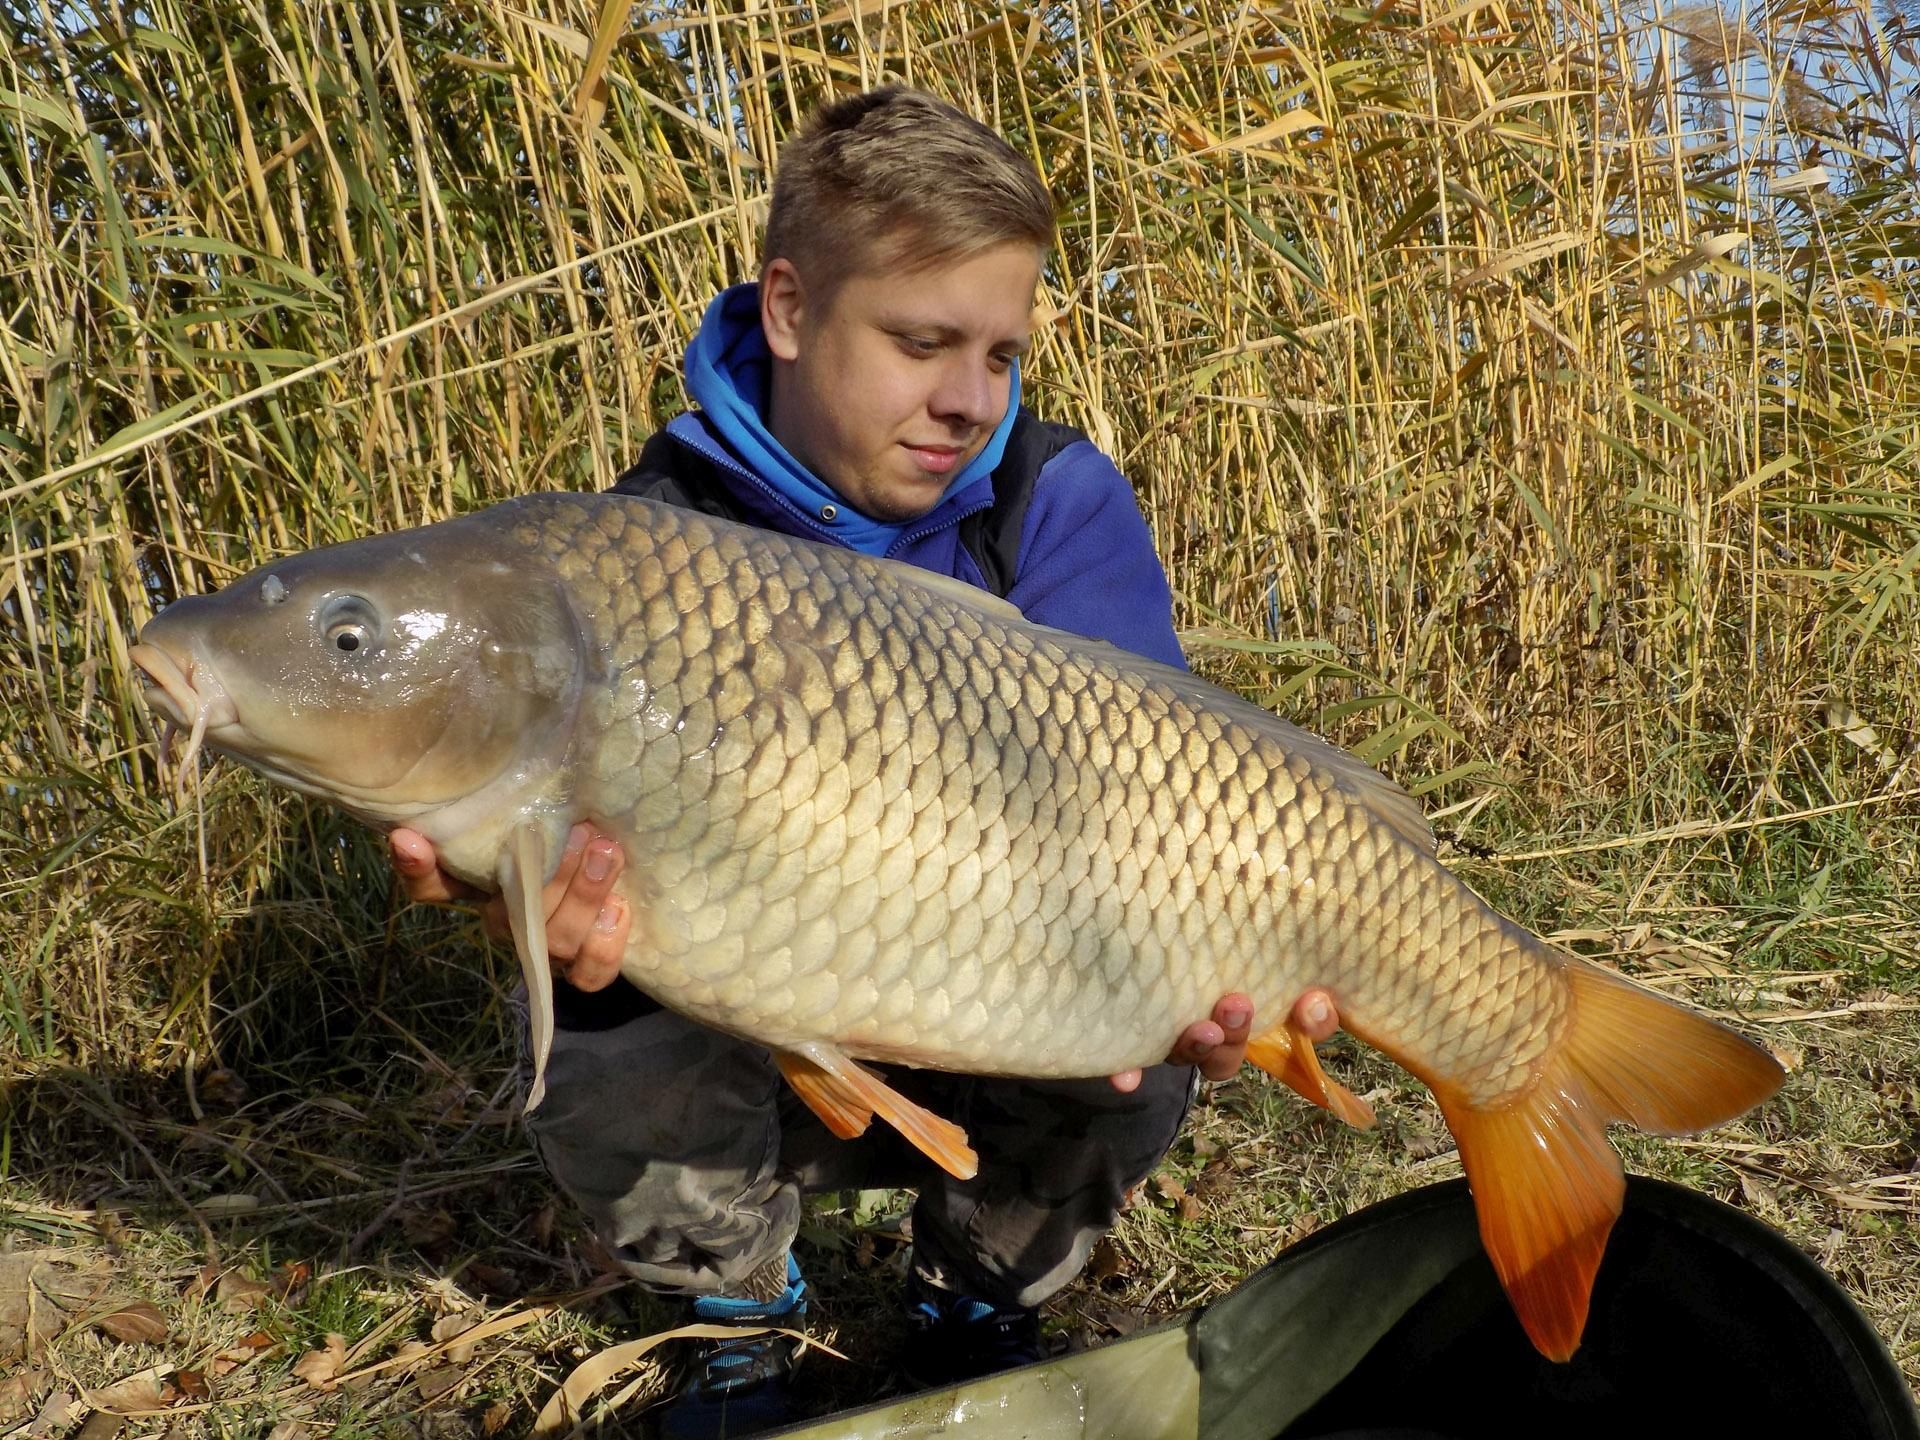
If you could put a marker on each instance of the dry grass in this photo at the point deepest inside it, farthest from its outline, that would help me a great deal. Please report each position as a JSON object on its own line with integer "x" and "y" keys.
{"x": 1526, "y": 397}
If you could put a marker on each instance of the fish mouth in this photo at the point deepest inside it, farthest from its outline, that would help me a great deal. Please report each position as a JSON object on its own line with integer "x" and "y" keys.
{"x": 186, "y": 697}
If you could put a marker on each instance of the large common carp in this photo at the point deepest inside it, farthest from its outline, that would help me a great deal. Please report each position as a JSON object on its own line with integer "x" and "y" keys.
{"x": 871, "y": 813}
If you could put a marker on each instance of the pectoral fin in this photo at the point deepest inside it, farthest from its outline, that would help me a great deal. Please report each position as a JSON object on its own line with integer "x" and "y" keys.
{"x": 846, "y": 1096}
{"x": 523, "y": 870}
{"x": 1287, "y": 1055}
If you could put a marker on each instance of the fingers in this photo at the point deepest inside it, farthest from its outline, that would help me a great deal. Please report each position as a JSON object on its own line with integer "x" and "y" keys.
{"x": 1314, "y": 1013}
{"x": 1126, "y": 1082}
{"x": 587, "y": 923}
{"x": 1234, "y": 1018}
{"x": 598, "y": 963}
{"x": 1219, "y": 1045}
{"x": 421, "y": 877}
{"x": 1196, "y": 1043}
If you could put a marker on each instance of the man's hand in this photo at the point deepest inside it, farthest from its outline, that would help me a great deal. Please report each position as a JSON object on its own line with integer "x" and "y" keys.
{"x": 587, "y": 923}
{"x": 1219, "y": 1046}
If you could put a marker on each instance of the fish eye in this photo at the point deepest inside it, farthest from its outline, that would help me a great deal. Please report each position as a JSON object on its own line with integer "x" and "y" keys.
{"x": 349, "y": 624}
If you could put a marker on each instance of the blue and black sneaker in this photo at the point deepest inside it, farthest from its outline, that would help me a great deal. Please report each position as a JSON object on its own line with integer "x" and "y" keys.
{"x": 954, "y": 1338}
{"x": 739, "y": 1387}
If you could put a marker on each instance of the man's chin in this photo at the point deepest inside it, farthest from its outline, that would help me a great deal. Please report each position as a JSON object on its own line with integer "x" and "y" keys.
{"x": 904, "y": 499}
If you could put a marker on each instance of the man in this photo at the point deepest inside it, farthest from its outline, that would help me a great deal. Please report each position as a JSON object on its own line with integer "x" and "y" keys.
{"x": 865, "y": 393}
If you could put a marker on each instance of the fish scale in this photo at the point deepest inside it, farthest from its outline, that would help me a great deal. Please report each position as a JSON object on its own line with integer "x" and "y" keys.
{"x": 1003, "y": 737}
{"x": 871, "y": 813}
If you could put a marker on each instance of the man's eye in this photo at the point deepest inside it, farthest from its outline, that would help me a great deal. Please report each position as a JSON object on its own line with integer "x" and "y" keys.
{"x": 918, "y": 344}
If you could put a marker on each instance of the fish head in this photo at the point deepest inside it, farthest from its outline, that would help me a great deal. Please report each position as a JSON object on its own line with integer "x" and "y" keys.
{"x": 393, "y": 675}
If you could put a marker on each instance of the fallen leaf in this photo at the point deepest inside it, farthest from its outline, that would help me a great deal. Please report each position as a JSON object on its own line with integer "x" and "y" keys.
{"x": 1123, "y": 1320}
{"x": 409, "y": 1352}
{"x": 16, "y": 1393}
{"x": 1169, "y": 1188}
{"x": 239, "y": 1293}
{"x": 320, "y": 1368}
{"x": 39, "y": 1292}
{"x": 1107, "y": 1261}
{"x": 137, "y": 1392}
{"x": 290, "y": 1278}
{"x": 427, "y": 1229}
{"x": 140, "y": 1323}
{"x": 1215, "y": 1180}
{"x": 201, "y": 1285}
{"x": 451, "y": 1327}
{"x": 1189, "y": 1209}
{"x": 53, "y": 1415}
{"x": 436, "y": 1382}
{"x": 222, "y": 1087}
{"x": 288, "y": 1430}
{"x": 566, "y": 1405}
{"x": 495, "y": 1420}
{"x": 191, "y": 1383}
{"x": 1760, "y": 1195}
{"x": 101, "y": 1425}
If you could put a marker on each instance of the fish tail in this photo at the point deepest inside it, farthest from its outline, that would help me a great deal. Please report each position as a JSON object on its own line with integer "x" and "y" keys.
{"x": 1547, "y": 1186}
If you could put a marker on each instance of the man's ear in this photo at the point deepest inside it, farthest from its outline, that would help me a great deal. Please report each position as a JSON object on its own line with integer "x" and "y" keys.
{"x": 782, "y": 302}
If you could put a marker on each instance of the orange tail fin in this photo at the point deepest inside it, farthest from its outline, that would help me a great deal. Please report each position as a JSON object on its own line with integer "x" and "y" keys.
{"x": 1546, "y": 1183}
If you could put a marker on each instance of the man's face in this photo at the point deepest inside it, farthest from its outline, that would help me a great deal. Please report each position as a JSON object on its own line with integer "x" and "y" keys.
{"x": 891, "y": 386}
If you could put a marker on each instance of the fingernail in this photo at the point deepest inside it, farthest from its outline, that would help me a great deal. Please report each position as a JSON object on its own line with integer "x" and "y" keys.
{"x": 608, "y": 920}
{"x": 1234, "y": 1019}
{"x": 576, "y": 839}
{"x": 1318, "y": 1012}
{"x": 600, "y": 860}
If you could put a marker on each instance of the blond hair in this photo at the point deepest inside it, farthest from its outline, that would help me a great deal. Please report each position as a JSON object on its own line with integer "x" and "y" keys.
{"x": 895, "y": 178}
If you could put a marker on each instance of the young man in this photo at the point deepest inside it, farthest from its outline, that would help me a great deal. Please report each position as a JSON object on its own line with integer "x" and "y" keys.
{"x": 865, "y": 393}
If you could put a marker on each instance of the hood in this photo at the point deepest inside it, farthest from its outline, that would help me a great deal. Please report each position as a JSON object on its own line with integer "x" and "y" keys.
{"x": 729, "y": 374}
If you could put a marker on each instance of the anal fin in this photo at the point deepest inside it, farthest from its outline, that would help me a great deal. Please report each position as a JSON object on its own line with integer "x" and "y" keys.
{"x": 838, "y": 1107}
{"x": 844, "y": 1093}
{"x": 1287, "y": 1055}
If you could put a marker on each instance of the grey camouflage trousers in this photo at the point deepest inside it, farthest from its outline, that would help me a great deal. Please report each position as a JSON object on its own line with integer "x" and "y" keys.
{"x": 690, "y": 1155}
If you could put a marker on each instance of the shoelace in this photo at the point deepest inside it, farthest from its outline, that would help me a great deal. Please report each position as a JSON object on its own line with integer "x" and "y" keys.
{"x": 734, "y": 1365}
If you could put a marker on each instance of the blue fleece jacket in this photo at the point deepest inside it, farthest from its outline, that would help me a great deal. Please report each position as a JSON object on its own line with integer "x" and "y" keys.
{"x": 1086, "y": 558}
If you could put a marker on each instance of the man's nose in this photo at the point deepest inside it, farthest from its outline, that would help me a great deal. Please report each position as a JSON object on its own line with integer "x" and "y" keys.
{"x": 969, "y": 393}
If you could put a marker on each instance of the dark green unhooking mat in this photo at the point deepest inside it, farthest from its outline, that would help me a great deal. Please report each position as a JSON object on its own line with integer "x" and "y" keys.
{"x": 1390, "y": 1326}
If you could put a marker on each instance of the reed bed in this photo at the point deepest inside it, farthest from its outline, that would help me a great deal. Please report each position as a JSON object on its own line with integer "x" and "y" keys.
{"x": 1526, "y": 396}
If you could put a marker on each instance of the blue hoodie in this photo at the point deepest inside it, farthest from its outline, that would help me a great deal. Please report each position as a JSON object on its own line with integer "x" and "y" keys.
{"x": 1086, "y": 559}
